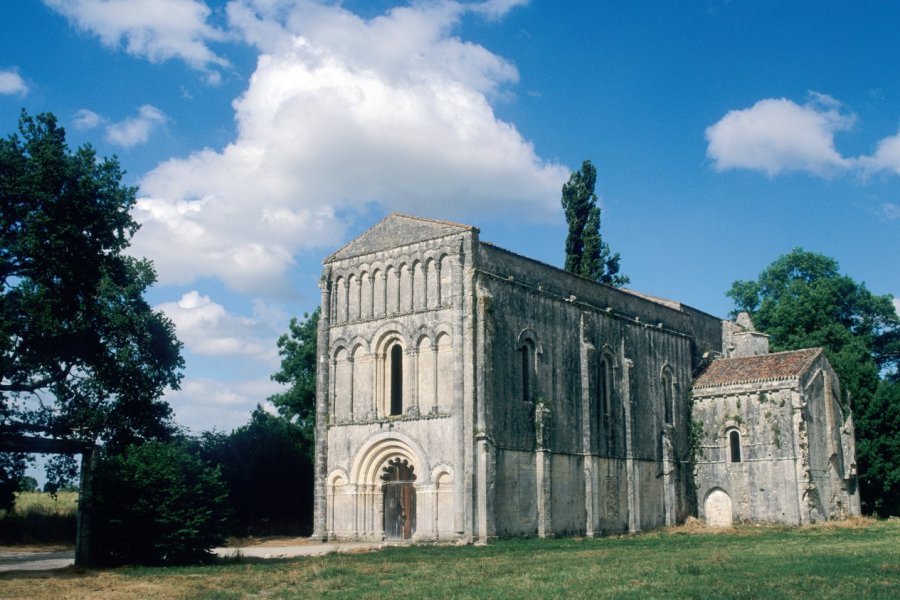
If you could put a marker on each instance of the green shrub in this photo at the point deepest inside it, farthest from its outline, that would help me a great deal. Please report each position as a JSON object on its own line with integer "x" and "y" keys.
{"x": 157, "y": 503}
{"x": 267, "y": 468}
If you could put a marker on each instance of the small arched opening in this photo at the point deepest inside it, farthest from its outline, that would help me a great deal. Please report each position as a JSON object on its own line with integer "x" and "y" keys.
{"x": 734, "y": 446}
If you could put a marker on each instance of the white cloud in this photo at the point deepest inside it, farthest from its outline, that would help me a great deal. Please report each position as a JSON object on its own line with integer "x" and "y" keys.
{"x": 207, "y": 328}
{"x": 12, "y": 84}
{"x": 202, "y": 404}
{"x": 776, "y": 135}
{"x": 133, "y": 130}
{"x": 342, "y": 113}
{"x": 495, "y": 9}
{"x": 890, "y": 211}
{"x": 886, "y": 157}
{"x": 157, "y": 30}
{"x": 87, "y": 119}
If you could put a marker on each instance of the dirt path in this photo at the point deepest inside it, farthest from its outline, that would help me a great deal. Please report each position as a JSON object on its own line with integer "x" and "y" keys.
{"x": 39, "y": 559}
{"x": 31, "y": 560}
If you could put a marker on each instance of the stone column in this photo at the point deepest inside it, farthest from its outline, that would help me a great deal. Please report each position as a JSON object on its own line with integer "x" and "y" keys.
{"x": 464, "y": 400}
{"x": 668, "y": 466}
{"x": 586, "y": 351}
{"x": 413, "y": 359}
{"x": 434, "y": 376}
{"x": 542, "y": 457}
{"x": 632, "y": 480}
{"x": 320, "y": 526}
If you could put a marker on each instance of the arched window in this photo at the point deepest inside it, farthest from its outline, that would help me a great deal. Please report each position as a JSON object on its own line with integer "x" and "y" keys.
{"x": 396, "y": 380}
{"x": 526, "y": 359}
{"x": 668, "y": 395}
{"x": 734, "y": 443}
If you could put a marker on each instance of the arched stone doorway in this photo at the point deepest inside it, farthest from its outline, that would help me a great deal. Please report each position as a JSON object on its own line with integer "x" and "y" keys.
{"x": 718, "y": 509}
{"x": 399, "y": 495}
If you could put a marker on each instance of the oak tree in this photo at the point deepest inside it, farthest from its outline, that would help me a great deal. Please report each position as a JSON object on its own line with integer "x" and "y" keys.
{"x": 83, "y": 356}
{"x": 802, "y": 300}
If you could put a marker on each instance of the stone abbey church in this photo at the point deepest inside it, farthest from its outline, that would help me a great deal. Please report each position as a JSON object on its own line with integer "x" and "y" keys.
{"x": 466, "y": 392}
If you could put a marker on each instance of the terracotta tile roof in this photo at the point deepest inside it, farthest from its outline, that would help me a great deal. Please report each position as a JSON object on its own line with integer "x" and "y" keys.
{"x": 778, "y": 365}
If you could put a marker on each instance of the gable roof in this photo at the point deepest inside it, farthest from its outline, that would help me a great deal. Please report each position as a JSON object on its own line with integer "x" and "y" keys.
{"x": 394, "y": 230}
{"x": 778, "y": 365}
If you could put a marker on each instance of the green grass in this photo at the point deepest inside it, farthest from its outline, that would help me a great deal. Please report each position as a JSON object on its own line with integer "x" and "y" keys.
{"x": 859, "y": 560}
{"x": 39, "y": 517}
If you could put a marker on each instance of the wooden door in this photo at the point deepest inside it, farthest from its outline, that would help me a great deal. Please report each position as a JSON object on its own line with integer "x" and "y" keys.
{"x": 399, "y": 500}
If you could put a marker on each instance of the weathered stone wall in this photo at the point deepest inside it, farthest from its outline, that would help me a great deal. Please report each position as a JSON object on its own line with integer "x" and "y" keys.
{"x": 762, "y": 484}
{"x": 614, "y": 371}
{"x": 796, "y": 462}
{"x": 832, "y": 492}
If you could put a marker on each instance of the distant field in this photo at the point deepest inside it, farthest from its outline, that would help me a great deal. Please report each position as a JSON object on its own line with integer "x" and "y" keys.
{"x": 845, "y": 561}
{"x": 38, "y": 517}
{"x": 64, "y": 504}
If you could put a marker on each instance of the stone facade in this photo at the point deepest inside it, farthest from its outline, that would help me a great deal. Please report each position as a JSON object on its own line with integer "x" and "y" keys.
{"x": 775, "y": 441}
{"x": 466, "y": 392}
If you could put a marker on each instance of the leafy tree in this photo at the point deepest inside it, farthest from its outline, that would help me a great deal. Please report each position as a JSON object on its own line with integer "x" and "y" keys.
{"x": 82, "y": 354}
{"x": 802, "y": 300}
{"x": 12, "y": 470}
{"x": 298, "y": 369}
{"x": 160, "y": 503}
{"x": 267, "y": 468}
{"x": 586, "y": 252}
{"x": 28, "y": 484}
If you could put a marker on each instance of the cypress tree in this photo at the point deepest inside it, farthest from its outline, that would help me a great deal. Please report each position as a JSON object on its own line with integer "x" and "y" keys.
{"x": 586, "y": 252}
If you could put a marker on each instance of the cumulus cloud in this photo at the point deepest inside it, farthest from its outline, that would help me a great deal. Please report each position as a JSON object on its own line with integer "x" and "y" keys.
{"x": 87, "y": 119}
{"x": 157, "y": 30}
{"x": 230, "y": 403}
{"x": 777, "y": 135}
{"x": 885, "y": 158}
{"x": 12, "y": 84}
{"x": 341, "y": 113}
{"x": 133, "y": 130}
{"x": 207, "y": 328}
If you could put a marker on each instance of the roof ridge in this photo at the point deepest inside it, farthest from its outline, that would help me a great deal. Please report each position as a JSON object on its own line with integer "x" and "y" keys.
{"x": 426, "y": 219}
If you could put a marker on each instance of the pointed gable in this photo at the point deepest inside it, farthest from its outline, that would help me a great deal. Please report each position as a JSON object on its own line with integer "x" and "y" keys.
{"x": 765, "y": 367}
{"x": 395, "y": 230}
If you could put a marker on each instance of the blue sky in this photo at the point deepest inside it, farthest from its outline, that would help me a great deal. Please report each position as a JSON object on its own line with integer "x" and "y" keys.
{"x": 264, "y": 134}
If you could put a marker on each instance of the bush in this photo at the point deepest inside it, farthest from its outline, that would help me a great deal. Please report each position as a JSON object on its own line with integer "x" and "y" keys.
{"x": 157, "y": 503}
{"x": 267, "y": 467}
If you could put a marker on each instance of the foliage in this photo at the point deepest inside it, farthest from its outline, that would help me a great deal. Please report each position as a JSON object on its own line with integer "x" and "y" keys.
{"x": 824, "y": 562}
{"x": 267, "y": 468}
{"x": 28, "y": 484}
{"x": 695, "y": 441}
{"x": 82, "y": 354}
{"x": 156, "y": 503}
{"x": 802, "y": 300}
{"x": 586, "y": 252}
{"x": 878, "y": 441}
{"x": 12, "y": 470}
{"x": 298, "y": 369}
